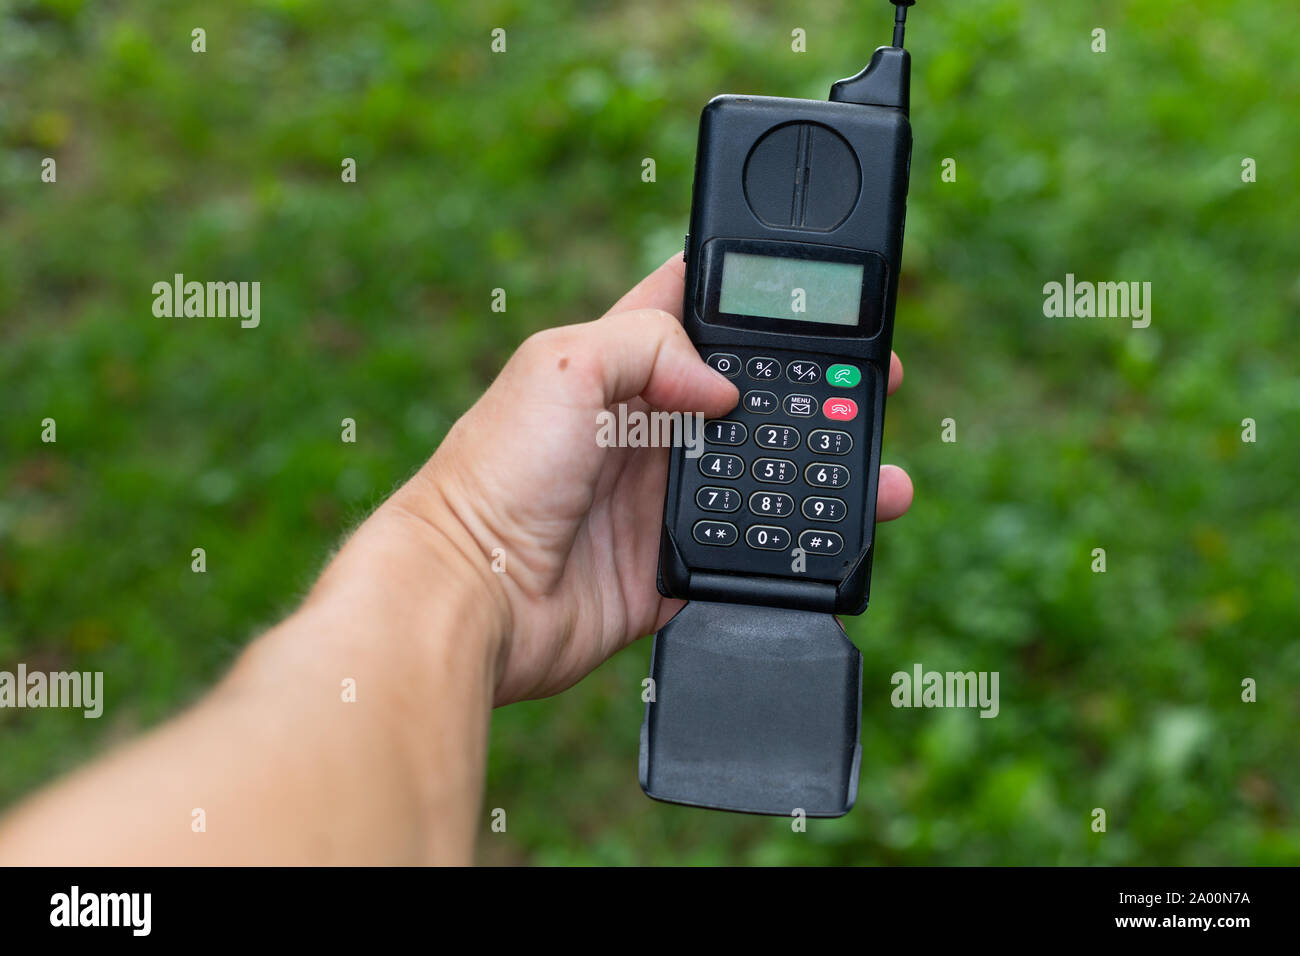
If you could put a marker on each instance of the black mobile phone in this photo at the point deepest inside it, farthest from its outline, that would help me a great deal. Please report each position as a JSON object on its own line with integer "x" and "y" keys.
{"x": 792, "y": 266}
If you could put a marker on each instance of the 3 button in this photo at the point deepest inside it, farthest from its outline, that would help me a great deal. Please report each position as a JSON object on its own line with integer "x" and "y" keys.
{"x": 826, "y": 441}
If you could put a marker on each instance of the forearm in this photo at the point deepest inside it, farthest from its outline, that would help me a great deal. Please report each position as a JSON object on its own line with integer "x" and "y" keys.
{"x": 354, "y": 732}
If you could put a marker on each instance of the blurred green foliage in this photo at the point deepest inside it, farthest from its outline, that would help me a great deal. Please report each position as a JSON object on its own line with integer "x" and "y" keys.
{"x": 475, "y": 171}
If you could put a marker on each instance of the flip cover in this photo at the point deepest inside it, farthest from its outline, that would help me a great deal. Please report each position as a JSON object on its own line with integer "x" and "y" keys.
{"x": 755, "y": 709}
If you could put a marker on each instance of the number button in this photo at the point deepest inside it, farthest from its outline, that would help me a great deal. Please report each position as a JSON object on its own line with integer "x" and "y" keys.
{"x": 803, "y": 373}
{"x": 722, "y": 432}
{"x": 824, "y": 509}
{"x": 767, "y": 537}
{"x": 717, "y": 499}
{"x": 720, "y": 534}
{"x": 777, "y": 436}
{"x": 826, "y": 441}
{"x": 764, "y": 369}
{"x": 760, "y": 402}
{"x": 800, "y": 406}
{"x": 776, "y": 470}
{"x": 822, "y": 475}
{"x": 771, "y": 504}
{"x": 721, "y": 466}
{"x": 821, "y": 542}
{"x": 726, "y": 363}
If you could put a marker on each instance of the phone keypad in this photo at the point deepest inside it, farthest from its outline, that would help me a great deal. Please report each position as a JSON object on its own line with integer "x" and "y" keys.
{"x": 793, "y": 449}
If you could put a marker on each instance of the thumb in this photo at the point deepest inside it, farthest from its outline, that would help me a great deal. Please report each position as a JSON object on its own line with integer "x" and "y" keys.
{"x": 646, "y": 352}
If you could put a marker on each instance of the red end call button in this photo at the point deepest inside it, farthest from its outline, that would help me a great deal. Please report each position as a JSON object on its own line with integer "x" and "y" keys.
{"x": 840, "y": 409}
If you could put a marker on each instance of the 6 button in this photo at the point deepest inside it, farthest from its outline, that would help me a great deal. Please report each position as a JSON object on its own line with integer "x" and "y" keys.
{"x": 821, "y": 474}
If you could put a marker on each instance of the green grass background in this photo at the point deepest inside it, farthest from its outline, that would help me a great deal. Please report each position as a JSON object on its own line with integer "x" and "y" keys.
{"x": 523, "y": 171}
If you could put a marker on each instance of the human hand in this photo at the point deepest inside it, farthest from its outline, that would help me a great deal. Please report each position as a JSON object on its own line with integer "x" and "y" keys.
{"x": 578, "y": 525}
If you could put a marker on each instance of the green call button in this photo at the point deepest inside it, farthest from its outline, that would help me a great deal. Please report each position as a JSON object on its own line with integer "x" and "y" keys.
{"x": 843, "y": 376}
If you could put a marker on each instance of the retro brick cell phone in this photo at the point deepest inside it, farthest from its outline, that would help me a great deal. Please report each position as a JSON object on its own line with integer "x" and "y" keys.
{"x": 792, "y": 266}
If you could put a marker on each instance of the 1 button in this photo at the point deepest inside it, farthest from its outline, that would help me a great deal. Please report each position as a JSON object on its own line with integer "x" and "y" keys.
{"x": 844, "y": 376}
{"x": 800, "y": 406}
{"x": 760, "y": 402}
{"x": 822, "y": 475}
{"x": 821, "y": 542}
{"x": 717, "y": 499}
{"x": 721, "y": 466}
{"x": 803, "y": 373}
{"x": 771, "y": 504}
{"x": 776, "y": 470}
{"x": 722, "y": 432}
{"x": 826, "y": 441}
{"x": 763, "y": 368}
{"x": 726, "y": 363}
{"x": 840, "y": 409}
{"x": 767, "y": 537}
{"x": 824, "y": 509}
{"x": 720, "y": 534}
{"x": 776, "y": 436}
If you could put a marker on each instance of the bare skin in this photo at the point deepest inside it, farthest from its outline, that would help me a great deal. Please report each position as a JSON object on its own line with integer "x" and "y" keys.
{"x": 282, "y": 769}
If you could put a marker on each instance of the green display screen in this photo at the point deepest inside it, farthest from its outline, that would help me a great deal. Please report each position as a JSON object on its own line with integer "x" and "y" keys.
{"x": 798, "y": 290}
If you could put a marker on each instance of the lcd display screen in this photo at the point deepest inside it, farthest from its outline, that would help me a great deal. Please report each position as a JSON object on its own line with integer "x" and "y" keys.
{"x": 797, "y": 290}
